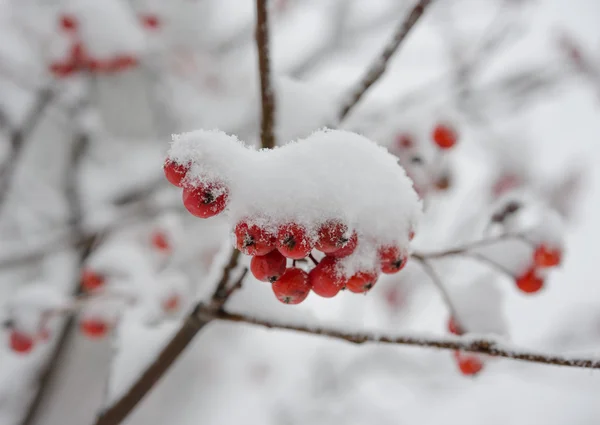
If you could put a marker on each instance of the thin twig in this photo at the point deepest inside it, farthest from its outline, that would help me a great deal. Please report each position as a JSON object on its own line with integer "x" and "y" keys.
{"x": 19, "y": 136}
{"x": 379, "y": 66}
{"x": 460, "y": 250}
{"x": 480, "y": 346}
{"x": 267, "y": 134}
{"x": 430, "y": 271}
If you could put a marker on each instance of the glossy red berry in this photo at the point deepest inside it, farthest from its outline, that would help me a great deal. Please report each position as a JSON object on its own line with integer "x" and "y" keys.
{"x": 68, "y": 23}
{"x": 333, "y": 235}
{"x": 293, "y": 241}
{"x": 444, "y": 136}
{"x": 91, "y": 280}
{"x": 392, "y": 259}
{"x": 347, "y": 249}
{"x": 205, "y": 200}
{"x": 21, "y": 342}
{"x": 529, "y": 282}
{"x": 252, "y": 239}
{"x": 469, "y": 364}
{"x": 151, "y": 22}
{"x": 545, "y": 256}
{"x": 268, "y": 267}
{"x": 361, "y": 282}
{"x": 292, "y": 287}
{"x": 175, "y": 172}
{"x": 160, "y": 241}
{"x": 171, "y": 304}
{"x": 94, "y": 328}
{"x": 325, "y": 280}
{"x": 453, "y": 327}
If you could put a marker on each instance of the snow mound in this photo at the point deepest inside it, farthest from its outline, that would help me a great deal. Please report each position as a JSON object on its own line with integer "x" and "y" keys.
{"x": 330, "y": 175}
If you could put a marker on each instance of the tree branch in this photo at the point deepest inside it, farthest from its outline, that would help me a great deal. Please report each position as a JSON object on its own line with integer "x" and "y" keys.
{"x": 19, "y": 136}
{"x": 267, "y": 125}
{"x": 379, "y": 66}
{"x": 480, "y": 346}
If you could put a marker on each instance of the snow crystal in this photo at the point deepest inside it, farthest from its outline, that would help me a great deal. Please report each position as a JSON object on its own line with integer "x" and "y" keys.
{"x": 331, "y": 174}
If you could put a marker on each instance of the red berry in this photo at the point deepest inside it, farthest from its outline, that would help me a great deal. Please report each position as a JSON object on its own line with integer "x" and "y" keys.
{"x": 268, "y": 267}
{"x": 505, "y": 183}
{"x": 293, "y": 242}
{"x": 292, "y": 287}
{"x": 171, "y": 304}
{"x": 20, "y": 342}
{"x": 545, "y": 256}
{"x": 411, "y": 235}
{"x": 333, "y": 235}
{"x": 96, "y": 65}
{"x": 77, "y": 54}
{"x": 444, "y": 136}
{"x": 453, "y": 327}
{"x": 160, "y": 241}
{"x": 347, "y": 249}
{"x": 325, "y": 280}
{"x": 392, "y": 259}
{"x": 361, "y": 282}
{"x": 251, "y": 239}
{"x": 151, "y": 21}
{"x": 175, "y": 172}
{"x": 469, "y": 364}
{"x": 394, "y": 297}
{"x": 205, "y": 200}
{"x": 62, "y": 69}
{"x": 404, "y": 141}
{"x": 90, "y": 280}
{"x": 68, "y": 23}
{"x": 94, "y": 328}
{"x": 529, "y": 282}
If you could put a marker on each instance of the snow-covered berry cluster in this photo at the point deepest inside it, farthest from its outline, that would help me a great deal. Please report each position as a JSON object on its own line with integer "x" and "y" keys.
{"x": 335, "y": 198}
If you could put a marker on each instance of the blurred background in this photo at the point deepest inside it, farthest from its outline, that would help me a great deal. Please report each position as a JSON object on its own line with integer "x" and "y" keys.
{"x": 91, "y": 92}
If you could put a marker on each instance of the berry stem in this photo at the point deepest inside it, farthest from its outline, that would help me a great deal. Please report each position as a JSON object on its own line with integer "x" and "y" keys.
{"x": 430, "y": 271}
{"x": 313, "y": 259}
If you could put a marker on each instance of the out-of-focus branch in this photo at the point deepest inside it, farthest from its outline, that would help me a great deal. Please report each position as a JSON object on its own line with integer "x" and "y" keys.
{"x": 19, "y": 136}
{"x": 480, "y": 346}
{"x": 379, "y": 66}
{"x": 75, "y": 218}
{"x": 267, "y": 133}
{"x": 430, "y": 271}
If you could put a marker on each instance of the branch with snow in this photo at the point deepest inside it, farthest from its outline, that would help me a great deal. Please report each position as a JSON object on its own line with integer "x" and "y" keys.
{"x": 468, "y": 344}
{"x": 379, "y": 66}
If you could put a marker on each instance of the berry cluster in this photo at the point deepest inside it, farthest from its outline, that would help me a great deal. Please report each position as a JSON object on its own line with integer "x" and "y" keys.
{"x": 270, "y": 252}
{"x": 79, "y": 59}
{"x": 544, "y": 258}
{"x": 345, "y": 255}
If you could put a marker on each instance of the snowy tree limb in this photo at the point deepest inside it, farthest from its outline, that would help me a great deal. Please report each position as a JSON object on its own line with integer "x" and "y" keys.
{"x": 479, "y": 346}
{"x": 379, "y": 66}
{"x": 267, "y": 133}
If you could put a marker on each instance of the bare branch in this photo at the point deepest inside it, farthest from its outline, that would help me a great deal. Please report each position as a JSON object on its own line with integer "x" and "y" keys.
{"x": 480, "y": 346}
{"x": 430, "y": 271}
{"x": 379, "y": 66}
{"x": 18, "y": 138}
{"x": 267, "y": 133}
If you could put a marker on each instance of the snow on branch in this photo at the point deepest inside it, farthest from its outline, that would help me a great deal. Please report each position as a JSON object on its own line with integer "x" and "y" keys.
{"x": 468, "y": 344}
{"x": 379, "y": 66}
